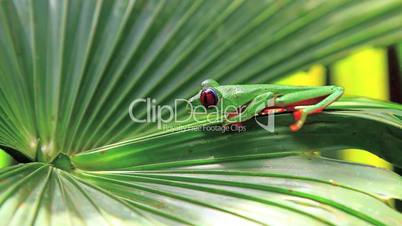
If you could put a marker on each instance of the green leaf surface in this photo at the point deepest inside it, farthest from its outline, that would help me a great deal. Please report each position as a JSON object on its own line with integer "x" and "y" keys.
{"x": 199, "y": 178}
{"x": 285, "y": 190}
{"x": 69, "y": 70}
{"x": 399, "y": 55}
{"x": 343, "y": 125}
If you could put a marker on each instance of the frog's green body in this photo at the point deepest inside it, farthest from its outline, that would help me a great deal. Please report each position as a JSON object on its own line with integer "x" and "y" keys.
{"x": 238, "y": 95}
{"x": 256, "y": 99}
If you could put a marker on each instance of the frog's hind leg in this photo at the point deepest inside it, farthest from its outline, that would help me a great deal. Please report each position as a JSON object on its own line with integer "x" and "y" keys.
{"x": 323, "y": 96}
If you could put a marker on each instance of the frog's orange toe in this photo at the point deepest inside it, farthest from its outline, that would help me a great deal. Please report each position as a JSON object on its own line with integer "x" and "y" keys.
{"x": 294, "y": 127}
{"x": 300, "y": 117}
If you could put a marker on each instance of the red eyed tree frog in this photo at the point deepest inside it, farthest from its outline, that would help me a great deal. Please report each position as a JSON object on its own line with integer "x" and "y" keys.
{"x": 242, "y": 102}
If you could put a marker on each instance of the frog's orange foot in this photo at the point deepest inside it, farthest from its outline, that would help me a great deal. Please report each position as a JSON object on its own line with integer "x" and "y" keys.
{"x": 296, "y": 126}
{"x": 297, "y": 115}
{"x": 300, "y": 117}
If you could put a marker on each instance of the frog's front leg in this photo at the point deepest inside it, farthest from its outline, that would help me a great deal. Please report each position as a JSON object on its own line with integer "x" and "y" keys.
{"x": 330, "y": 94}
{"x": 253, "y": 108}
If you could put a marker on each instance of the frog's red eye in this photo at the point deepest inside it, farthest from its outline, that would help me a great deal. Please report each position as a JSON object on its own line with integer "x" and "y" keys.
{"x": 208, "y": 98}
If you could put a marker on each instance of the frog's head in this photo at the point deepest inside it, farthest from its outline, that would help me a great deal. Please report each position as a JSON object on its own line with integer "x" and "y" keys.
{"x": 206, "y": 100}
